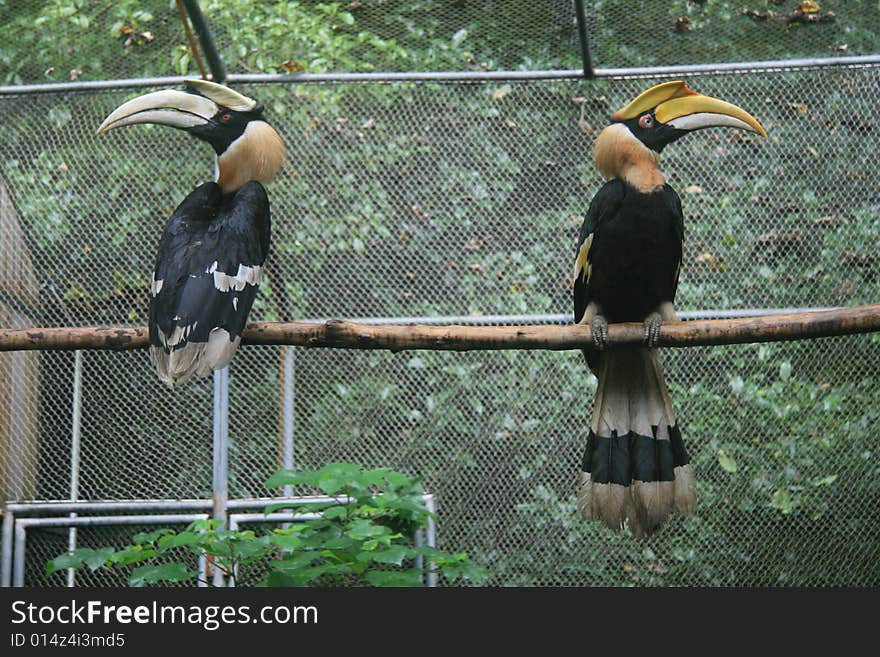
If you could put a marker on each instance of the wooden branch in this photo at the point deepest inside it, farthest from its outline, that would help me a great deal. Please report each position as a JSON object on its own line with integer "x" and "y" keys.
{"x": 350, "y": 335}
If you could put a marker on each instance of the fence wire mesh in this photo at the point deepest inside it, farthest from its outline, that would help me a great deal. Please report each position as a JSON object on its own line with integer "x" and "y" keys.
{"x": 145, "y": 38}
{"x": 46, "y": 543}
{"x": 413, "y": 199}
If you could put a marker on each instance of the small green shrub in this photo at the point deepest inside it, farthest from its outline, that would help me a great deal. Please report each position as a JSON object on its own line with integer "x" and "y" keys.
{"x": 363, "y": 535}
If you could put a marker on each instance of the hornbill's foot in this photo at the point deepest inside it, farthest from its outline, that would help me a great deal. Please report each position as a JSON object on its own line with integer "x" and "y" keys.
{"x": 599, "y": 332}
{"x": 652, "y": 330}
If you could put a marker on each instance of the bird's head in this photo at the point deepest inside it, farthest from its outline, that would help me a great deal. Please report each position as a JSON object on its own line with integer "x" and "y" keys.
{"x": 247, "y": 147}
{"x": 659, "y": 116}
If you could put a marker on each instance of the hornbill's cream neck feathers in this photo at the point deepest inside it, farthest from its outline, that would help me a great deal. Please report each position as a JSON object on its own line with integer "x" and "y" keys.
{"x": 618, "y": 154}
{"x": 630, "y": 147}
{"x": 247, "y": 147}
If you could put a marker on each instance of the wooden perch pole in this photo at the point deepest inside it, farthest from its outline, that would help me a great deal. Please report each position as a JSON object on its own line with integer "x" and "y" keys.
{"x": 350, "y": 335}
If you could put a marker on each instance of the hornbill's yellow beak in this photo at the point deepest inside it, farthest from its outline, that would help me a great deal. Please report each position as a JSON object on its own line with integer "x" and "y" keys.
{"x": 678, "y": 107}
{"x": 197, "y": 107}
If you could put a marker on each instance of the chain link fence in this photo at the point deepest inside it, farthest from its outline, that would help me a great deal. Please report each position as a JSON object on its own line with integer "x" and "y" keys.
{"x": 438, "y": 199}
{"x": 144, "y": 38}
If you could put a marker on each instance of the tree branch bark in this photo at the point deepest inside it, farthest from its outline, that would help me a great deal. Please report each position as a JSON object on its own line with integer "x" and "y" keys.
{"x": 350, "y": 335}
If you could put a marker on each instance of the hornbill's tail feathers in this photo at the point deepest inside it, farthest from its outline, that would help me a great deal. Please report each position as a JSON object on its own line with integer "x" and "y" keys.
{"x": 179, "y": 363}
{"x": 635, "y": 467}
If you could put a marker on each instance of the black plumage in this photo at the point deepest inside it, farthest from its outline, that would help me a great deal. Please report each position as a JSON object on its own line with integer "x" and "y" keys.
{"x": 210, "y": 265}
{"x": 634, "y": 256}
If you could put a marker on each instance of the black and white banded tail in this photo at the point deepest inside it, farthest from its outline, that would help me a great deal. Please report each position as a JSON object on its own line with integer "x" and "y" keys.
{"x": 635, "y": 468}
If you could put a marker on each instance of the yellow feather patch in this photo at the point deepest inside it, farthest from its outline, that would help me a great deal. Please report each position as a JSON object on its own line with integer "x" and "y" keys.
{"x": 582, "y": 264}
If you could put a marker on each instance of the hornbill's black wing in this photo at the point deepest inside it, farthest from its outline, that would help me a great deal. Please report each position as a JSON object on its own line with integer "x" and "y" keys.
{"x": 604, "y": 205}
{"x": 675, "y": 201}
{"x": 206, "y": 277}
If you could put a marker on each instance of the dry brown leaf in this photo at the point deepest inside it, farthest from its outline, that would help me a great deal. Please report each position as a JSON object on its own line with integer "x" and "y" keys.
{"x": 290, "y": 67}
{"x": 809, "y": 7}
{"x": 710, "y": 261}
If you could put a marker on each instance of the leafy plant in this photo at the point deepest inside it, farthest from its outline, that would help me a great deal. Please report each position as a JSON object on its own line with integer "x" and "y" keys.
{"x": 361, "y": 532}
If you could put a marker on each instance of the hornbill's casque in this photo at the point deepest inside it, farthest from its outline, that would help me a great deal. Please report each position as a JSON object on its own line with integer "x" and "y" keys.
{"x": 635, "y": 467}
{"x": 214, "y": 245}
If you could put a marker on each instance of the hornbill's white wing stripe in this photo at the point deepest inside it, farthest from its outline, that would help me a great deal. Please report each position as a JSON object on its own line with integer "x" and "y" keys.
{"x": 156, "y": 286}
{"x": 244, "y": 276}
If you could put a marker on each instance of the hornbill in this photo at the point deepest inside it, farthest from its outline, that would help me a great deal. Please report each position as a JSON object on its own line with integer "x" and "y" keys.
{"x": 214, "y": 245}
{"x": 635, "y": 468}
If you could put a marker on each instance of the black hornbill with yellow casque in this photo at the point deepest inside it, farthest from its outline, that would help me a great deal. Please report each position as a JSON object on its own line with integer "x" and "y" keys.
{"x": 212, "y": 251}
{"x": 635, "y": 467}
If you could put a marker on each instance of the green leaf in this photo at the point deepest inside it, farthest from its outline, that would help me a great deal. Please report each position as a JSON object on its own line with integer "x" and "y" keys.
{"x": 132, "y": 554}
{"x": 726, "y": 462}
{"x": 166, "y": 572}
{"x": 63, "y": 562}
{"x": 467, "y": 571}
{"x": 362, "y": 528}
{"x": 411, "y": 577}
{"x": 783, "y": 501}
{"x": 179, "y": 540}
{"x": 253, "y": 547}
{"x": 393, "y": 555}
{"x": 296, "y": 560}
{"x": 80, "y": 557}
{"x": 825, "y": 481}
{"x": 98, "y": 558}
{"x": 151, "y": 537}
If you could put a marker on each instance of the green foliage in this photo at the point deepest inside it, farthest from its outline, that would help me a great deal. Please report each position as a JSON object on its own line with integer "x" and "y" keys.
{"x": 362, "y": 534}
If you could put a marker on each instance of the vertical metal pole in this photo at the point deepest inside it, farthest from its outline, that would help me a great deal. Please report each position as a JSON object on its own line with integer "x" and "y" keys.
{"x": 203, "y": 571}
{"x": 18, "y": 554}
{"x": 431, "y": 537}
{"x": 583, "y": 38}
{"x": 218, "y": 71}
{"x": 75, "y": 452}
{"x": 18, "y": 456}
{"x": 420, "y": 559}
{"x": 289, "y": 399}
{"x": 220, "y": 479}
{"x": 6, "y": 550}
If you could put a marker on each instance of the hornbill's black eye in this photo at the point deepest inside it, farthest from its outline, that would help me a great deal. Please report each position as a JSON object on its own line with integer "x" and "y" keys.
{"x": 646, "y": 121}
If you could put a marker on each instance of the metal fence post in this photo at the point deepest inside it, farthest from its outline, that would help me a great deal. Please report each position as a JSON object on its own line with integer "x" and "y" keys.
{"x": 75, "y": 452}
{"x": 6, "y": 550}
{"x": 220, "y": 452}
{"x": 289, "y": 399}
{"x": 200, "y": 25}
{"x": 583, "y": 38}
{"x": 19, "y": 554}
